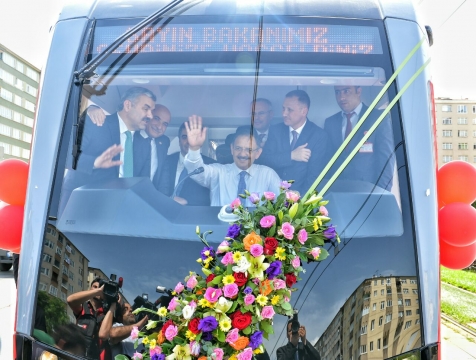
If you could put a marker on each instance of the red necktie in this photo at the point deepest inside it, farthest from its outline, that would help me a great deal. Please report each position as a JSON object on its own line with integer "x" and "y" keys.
{"x": 348, "y": 128}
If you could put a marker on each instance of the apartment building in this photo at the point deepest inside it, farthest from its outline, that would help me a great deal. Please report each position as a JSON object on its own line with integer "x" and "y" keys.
{"x": 456, "y": 130}
{"x": 19, "y": 82}
{"x": 381, "y": 316}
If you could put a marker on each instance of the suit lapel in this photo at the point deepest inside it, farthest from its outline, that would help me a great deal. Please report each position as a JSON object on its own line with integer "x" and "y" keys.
{"x": 112, "y": 124}
{"x": 142, "y": 151}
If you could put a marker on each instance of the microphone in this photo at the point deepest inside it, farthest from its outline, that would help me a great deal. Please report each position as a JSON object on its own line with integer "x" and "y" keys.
{"x": 194, "y": 172}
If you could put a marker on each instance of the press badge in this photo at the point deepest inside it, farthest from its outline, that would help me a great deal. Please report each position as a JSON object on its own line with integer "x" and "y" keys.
{"x": 368, "y": 147}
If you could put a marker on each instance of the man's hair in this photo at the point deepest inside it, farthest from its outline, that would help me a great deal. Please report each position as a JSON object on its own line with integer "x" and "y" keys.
{"x": 133, "y": 94}
{"x": 302, "y": 97}
{"x": 97, "y": 279}
{"x": 180, "y": 129}
{"x": 263, "y": 100}
{"x": 244, "y": 133}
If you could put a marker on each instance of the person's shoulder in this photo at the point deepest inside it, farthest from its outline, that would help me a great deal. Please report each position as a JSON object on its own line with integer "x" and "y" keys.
{"x": 333, "y": 118}
{"x": 312, "y": 127}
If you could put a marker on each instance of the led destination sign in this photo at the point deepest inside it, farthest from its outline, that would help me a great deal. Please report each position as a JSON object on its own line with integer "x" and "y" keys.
{"x": 244, "y": 37}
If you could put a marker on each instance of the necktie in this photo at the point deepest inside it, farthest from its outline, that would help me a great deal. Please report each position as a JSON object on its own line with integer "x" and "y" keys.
{"x": 260, "y": 138}
{"x": 182, "y": 176}
{"x": 128, "y": 156}
{"x": 348, "y": 127}
{"x": 241, "y": 185}
{"x": 294, "y": 140}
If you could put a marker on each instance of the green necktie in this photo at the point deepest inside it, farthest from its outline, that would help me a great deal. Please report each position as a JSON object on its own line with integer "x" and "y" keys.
{"x": 128, "y": 156}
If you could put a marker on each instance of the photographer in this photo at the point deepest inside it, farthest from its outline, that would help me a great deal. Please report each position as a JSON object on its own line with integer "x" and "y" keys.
{"x": 295, "y": 350}
{"x": 88, "y": 309}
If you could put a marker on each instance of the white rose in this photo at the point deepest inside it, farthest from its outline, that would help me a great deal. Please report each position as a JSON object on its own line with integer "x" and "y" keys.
{"x": 187, "y": 312}
{"x": 242, "y": 265}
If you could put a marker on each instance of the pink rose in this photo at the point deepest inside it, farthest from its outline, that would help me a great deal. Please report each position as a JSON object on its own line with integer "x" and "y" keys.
{"x": 137, "y": 356}
{"x": 246, "y": 354}
{"x": 256, "y": 250}
{"x": 193, "y": 304}
{"x": 267, "y": 221}
{"x": 286, "y": 299}
{"x": 227, "y": 259}
{"x": 232, "y": 336}
{"x": 267, "y": 312}
{"x": 212, "y": 294}
{"x": 287, "y": 230}
{"x": 192, "y": 282}
{"x": 302, "y": 236}
{"x": 179, "y": 288}
{"x": 173, "y": 304}
{"x": 315, "y": 252}
{"x": 171, "y": 332}
{"x": 279, "y": 284}
{"x": 323, "y": 211}
{"x": 249, "y": 299}
{"x": 230, "y": 290}
{"x": 223, "y": 247}
{"x": 218, "y": 353}
{"x": 155, "y": 351}
{"x": 134, "y": 333}
{"x": 269, "y": 195}
{"x": 292, "y": 196}
{"x": 296, "y": 262}
{"x": 235, "y": 203}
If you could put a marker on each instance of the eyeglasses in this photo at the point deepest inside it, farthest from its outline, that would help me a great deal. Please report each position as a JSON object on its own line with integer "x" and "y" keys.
{"x": 247, "y": 150}
{"x": 260, "y": 113}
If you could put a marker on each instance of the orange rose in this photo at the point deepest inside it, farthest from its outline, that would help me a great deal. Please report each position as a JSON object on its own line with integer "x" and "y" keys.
{"x": 265, "y": 288}
{"x": 160, "y": 337}
{"x": 202, "y": 358}
{"x": 240, "y": 343}
{"x": 251, "y": 239}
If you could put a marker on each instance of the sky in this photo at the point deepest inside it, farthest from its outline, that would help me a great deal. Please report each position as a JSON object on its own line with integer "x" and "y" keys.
{"x": 25, "y": 26}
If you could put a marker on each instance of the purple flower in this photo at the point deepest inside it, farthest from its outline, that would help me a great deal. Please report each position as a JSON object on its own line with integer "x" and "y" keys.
{"x": 256, "y": 339}
{"x": 207, "y": 324}
{"x": 158, "y": 357}
{"x": 233, "y": 231}
{"x": 274, "y": 269}
{"x": 330, "y": 232}
{"x": 254, "y": 198}
{"x": 206, "y": 252}
{"x": 247, "y": 290}
{"x": 207, "y": 335}
{"x": 285, "y": 185}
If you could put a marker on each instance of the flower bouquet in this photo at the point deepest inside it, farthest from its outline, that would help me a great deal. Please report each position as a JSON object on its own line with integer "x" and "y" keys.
{"x": 247, "y": 279}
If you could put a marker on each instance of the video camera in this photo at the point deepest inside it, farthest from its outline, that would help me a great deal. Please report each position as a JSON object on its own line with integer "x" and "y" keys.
{"x": 111, "y": 289}
{"x": 295, "y": 324}
{"x": 143, "y": 301}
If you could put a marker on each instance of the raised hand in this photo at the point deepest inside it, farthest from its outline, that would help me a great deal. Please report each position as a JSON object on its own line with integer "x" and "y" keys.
{"x": 301, "y": 153}
{"x": 196, "y": 133}
{"x": 105, "y": 160}
{"x": 96, "y": 114}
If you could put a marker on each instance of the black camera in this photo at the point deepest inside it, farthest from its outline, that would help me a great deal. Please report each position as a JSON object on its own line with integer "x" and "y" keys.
{"x": 295, "y": 324}
{"x": 111, "y": 289}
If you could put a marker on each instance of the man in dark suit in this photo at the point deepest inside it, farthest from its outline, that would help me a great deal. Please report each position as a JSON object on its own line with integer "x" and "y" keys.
{"x": 295, "y": 350}
{"x": 296, "y": 149}
{"x": 188, "y": 192}
{"x": 107, "y": 152}
{"x": 262, "y": 115}
{"x": 374, "y": 162}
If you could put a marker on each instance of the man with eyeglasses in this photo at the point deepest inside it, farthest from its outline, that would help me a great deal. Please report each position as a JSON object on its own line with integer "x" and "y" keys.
{"x": 262, "y": 115}
{"x": 227, "y": 181}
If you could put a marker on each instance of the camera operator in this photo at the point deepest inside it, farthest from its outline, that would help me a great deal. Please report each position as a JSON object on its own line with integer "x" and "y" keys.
{"x": 88, "y": 309}
{"x": 295, "y": 350}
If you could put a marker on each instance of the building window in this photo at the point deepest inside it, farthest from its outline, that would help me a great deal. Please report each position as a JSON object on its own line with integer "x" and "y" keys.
{"x": 407, "y": 324}
{"x": 462, "y": 109}
{"x": 63, "y": 296}
{"x": 447, "y": 158}
{"x": 474, "y": 121}
{"x": 408, "y": 302}
{"x": 8, "y": 59}
{"x": 32, "y": 74}
{"x": 363, "y": 330}
{"x": 400, "y": 314}
{"x": 28, "y": 121}
{"x": 7, "y": 77}
{"x": 80, "y": 271}
{"x": 53, "y": 290}
{"x": 389, "y": 291}
{"x": 378, "y": 344}
{"x": 446, "y": 108}
{"x": 363, "y": 349}
{"x": 417, "y": 321}
{"x": 382, "y": 282}
{"x": 474, "y": 109}
{"x": 382, "y": 305}
{"x": 71, "y": 275}
{"x": 73, "y": 251}
{"x": 371, "y": 346}
{"x": 413, "y": 281}
{"x": 382, "y": 292}
{"x": 61, "y": 239}
{"x": 43, "y": 287}
{"x": 474, "y": 159}
{"x": 389, "y": 303}
{"x": 446, "y": 121}
{"x": 80, "y": 283}
{"x": 447, "y": 133}
{"x": 380, "y": 321}
{"x": 365, "y": 310}
{"x": 49, "y": 244}
{"x": 400, "y": 302}
{"x": 81, "y": 259}
{"x": 462, "y": 133}
{"x": 388, "y": 318}
{"x": 47, "y": 258}
{"x": 375, "y": 292}
{"x": 29, "y": 106}
{"x": 415, "y": 291}
{"x": 408, "y": 313}
{"x": 463, "y": 158}
{"x": 45, "y": 271}
{"x": 58, "y": 250}
{"x": 7, "y": 95}
{"x": 374, "y": 306}
{"x": 462, "y": 121}
{"x": 71, "y": 288}
{"x": 6, "y": 113}
{"x": 26, "y": 137}
{"x": 447, "y": 146}
{"x": 462, "y": 146}
{"x": 372, "y": 325}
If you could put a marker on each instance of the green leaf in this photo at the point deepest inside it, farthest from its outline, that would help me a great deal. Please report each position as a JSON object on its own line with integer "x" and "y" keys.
{"x": 217, "y": 280}
{"x": 323, "y": 254}
{"x": 286, "y": 218}
{"x": 233, "y": 307}
{"x": 286, "y": 306}
{"x": 266, "y": 327}
{"x": 220, "y": 335}
{"x": 272, "y": 230}
{"x": 121, "y": 357}
{"x": 247, "y": 330}
{"x": 280, "y": 216}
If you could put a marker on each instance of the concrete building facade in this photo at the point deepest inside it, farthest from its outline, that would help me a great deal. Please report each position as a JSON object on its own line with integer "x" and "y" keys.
{"x": 19, "y": 83}
{"x": 456, "y": 130}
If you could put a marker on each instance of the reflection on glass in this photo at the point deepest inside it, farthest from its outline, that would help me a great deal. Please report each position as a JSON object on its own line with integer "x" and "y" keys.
{"x": 379, "y": 320}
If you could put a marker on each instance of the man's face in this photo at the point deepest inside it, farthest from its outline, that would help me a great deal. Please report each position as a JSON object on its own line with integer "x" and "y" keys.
{"x": 138, "y": 113}
{"x": 158, "y": 124}
{"x": 128, "y": 318}
{"x": 262, "y": 116}
{"x": 183, "y": 142}
{"x": 292, "y": 339}
{"x": 348, "y": 97}
{"x": 294, "y": 112}
{"x": 245, "y": 151}
{"x": 95, "y": 285}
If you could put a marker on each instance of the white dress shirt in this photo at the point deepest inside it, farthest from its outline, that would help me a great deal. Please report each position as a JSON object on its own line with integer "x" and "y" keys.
{"x": 180, "y": 167}
{"x": 154, "y": 162}
{"x": 298, "y": 130}
{"x": 222, "y": 179}
{"x": 354, "y": 119}
{"x": 122, "y": 130}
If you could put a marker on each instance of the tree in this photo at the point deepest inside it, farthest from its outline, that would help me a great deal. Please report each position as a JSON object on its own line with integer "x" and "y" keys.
{"x": 55, "y": 310}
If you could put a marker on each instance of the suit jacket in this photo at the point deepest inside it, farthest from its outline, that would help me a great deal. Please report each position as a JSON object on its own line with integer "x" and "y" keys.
{"x": 375, "y": 159}
{"x": 277, "y": 154}
{"x": 142, "y": 152}
{"x": 306, "y": 352}
{"x": 194, "y": 193}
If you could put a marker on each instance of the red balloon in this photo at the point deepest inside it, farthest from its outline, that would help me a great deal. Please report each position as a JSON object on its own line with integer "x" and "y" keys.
{"x": 13, "y": 180}
{"x": 11, "y": 222}
{"x": 457, "y": 257}
{"x": 456, "y": 223}
{"x": 456, "y": 182}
